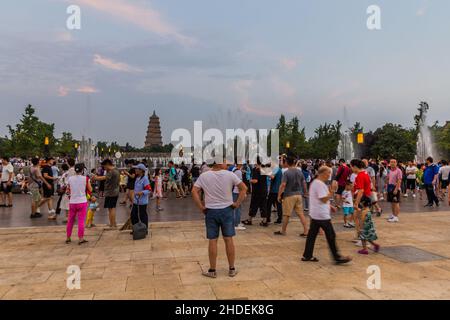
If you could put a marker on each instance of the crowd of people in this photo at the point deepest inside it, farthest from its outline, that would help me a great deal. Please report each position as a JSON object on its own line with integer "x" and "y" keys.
{"x": 318, "y": 187}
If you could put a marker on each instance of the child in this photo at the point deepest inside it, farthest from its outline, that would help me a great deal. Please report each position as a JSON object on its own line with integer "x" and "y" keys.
{"x": 93, "y": 206}
{"x": 347, "y": 205}
{"x": 368, "y": 233}
{"x": 158, "y": 189}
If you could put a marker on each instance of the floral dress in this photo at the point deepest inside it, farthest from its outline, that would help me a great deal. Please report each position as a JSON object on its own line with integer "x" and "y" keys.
{"x": 368, "y": 232}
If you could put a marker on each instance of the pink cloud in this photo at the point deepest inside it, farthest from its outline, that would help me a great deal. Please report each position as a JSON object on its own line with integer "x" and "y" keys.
{"x": 63, "y": 91}
{"x": 243, "y": 87}
{"x": 289, "y": 63}
{"x": 140, "y": 15}
{"x": 113, "y": 65}
{"x": 87, "y": 89}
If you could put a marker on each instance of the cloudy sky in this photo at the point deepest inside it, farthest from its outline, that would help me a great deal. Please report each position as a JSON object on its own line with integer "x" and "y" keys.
{"x": 229, "y": 63}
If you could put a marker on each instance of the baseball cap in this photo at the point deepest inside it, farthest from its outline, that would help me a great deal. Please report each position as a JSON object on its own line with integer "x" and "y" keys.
{"x": 140, "y": 166}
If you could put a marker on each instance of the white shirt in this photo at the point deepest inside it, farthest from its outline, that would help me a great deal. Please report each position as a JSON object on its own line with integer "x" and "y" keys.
{"x": 347, "y": 199}
{"x": 411, "y": 172}
{"x": 77, "y": 186}
{"x": 353, "y": 178}
{"x": 238, "y": 174}
{"x": 445, "y": 171}
{"x": 318, "y": 210}
{"x": 6, "y": 171}
{"x": 218, "y": 187}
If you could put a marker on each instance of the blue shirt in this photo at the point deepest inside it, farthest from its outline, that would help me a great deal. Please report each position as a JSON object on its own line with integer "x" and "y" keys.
{"x": 142, "y": 184}
{"x": 276, "y": 182}
{"x": 429, "y": 173}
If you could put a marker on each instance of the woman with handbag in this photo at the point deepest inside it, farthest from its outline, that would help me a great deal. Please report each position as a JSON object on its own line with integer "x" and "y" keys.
{"x": 78, "y": 187}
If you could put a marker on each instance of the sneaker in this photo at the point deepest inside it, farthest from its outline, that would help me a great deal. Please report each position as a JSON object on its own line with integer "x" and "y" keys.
{"x": 393, "y": 219}
{"x": 278, "y": 222}
{"x": 232, "y": 273}
{"x": 358, "y": 243}
{"x": 52, "y": 212}
{"x": 347, "y": 225}
{"x": 38, "y": 210}
{"x": 306, "y": 209}
{"x": 210, "y": 274}
{"x": 405, "y": 195}
{"x": 363, "y": 251}
{"x": 351, "y": 224}
{"x": 390, "y": 217}
{"x": 414, "y": 196}
{"x": 241, "y": 228}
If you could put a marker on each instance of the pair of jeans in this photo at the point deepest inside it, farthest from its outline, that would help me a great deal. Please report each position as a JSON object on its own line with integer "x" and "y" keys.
{"x": 237, "y": 211}
{"x": 271, "y": 200}
{"x": 314, "y": 228}
{"x": 431, "y": 195}
{"x": 78, "y": 211}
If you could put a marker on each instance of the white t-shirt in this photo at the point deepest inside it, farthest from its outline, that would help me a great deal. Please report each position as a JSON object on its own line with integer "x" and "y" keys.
{"x": 445, "y": 172}
{"x": 218, "y": 187}
{"x": 318, "y": 210}
{"x": 6, "y": 171}
{"x": 411, "y": 172}
{"x": 238, "y": 173}
{"x": 347, "y": 199}
{"x": 77, "y": 186}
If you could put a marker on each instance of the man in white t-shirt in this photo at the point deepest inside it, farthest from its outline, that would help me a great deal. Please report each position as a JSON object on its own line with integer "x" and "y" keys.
{"x": 444, "y": 175}
{"x": 217, "y": 185}
{"x": 320, "y": 213}
{"x": 411, "y": 178}
{"x": 7, "y": 182}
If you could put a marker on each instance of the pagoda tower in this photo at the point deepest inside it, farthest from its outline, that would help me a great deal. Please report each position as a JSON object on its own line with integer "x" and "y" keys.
{"x": 154, "y": 137}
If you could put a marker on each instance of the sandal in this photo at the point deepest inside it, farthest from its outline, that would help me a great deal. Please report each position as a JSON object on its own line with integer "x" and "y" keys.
{"x": 247, "y": 222}
{"x": 303, "y": 235}
{"x": 68, "y": 241}
{"x": 279, "y": 233}
{"x": 82, "y": 242}
{"x": 210, "y": 274}
{"x": 313, "y": 259}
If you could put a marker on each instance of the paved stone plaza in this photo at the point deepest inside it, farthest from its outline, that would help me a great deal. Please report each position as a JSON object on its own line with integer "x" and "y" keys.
{"x": 414, "y": 263}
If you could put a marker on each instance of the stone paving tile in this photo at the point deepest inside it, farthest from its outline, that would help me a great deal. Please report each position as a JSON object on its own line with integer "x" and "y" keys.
{"x": 168, "y": 265}
{"x": 195, "y": 292}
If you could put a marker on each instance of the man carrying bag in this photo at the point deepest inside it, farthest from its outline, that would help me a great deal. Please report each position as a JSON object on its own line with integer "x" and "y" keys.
{"x": 139, "y": 216}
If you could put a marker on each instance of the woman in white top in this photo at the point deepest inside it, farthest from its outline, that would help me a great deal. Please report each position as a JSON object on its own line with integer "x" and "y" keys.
{"x": 77, "y": 187}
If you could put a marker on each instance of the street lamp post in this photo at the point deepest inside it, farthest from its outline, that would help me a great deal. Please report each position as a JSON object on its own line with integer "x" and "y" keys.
{"x": 46, "y": 147}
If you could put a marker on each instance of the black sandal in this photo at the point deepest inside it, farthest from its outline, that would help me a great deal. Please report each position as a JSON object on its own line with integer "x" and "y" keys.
{"x": 82, "y": 242}
{"x": 68, "y": 241}
{"x": 313, "y": 259}
{"x": 247, "y": 222}
{"x": 279, "y": 233}
{"x": 303, "y": 235}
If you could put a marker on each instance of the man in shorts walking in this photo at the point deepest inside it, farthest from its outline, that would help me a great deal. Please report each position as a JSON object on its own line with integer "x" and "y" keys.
{"x": 112, "y": 190}
{"x": 218, "y": 208}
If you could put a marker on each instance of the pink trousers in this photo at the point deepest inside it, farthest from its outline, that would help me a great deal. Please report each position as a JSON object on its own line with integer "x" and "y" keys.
{"x": 79, "y": 211}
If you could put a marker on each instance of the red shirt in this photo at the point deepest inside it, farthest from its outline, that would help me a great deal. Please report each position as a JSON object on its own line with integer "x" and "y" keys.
{"x": 343, "y": 174}
{"x": 363, "y": 182}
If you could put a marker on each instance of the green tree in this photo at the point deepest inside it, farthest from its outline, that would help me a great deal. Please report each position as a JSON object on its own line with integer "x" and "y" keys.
{"x": 393, "y": 140}
{"x": 65, "y": 146}
{"x": 325, "y": 142}
{"x": 28, "y": 136}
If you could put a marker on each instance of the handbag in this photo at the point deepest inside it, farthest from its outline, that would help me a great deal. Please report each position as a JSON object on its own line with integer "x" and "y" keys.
{"x": 139, "y": 229}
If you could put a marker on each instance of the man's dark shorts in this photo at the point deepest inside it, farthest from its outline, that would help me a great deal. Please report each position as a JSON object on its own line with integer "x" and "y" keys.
{"x": 48, "y": 192}
{"x": 340, "y": 190}
{"x": 5, "y": 188}
{"x": 391, "y": 196}
{"x": 111, "y": 202}
{"x": 219, "y": 219}
{"x": 444, "y": 184}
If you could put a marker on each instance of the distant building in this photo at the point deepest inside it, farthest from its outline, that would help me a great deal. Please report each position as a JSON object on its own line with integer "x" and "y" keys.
{"x": 154, "y": 137}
